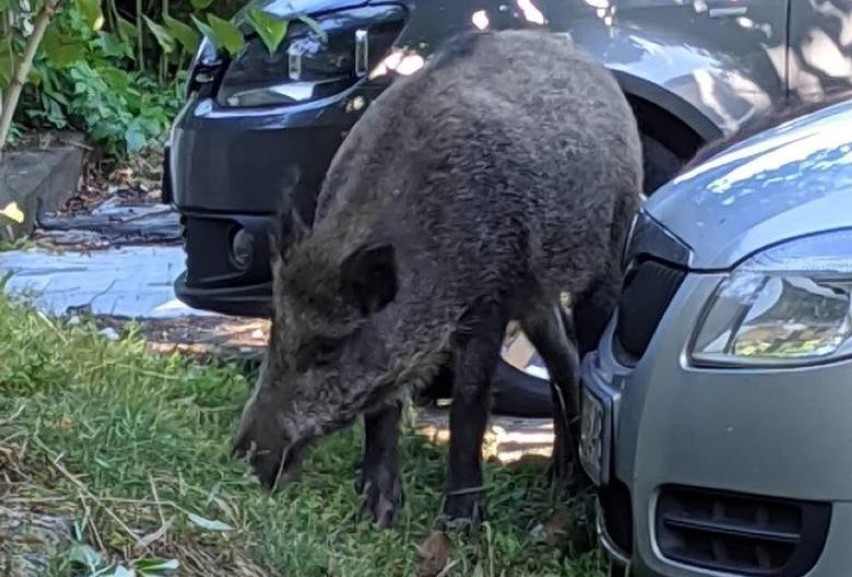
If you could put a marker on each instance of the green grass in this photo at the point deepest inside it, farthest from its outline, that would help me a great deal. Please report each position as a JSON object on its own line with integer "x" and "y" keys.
{"x": 126, "y": 443}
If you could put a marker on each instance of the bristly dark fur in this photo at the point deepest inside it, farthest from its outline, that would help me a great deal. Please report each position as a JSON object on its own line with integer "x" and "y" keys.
{"x": 774, "y": 117}
{"x": 473, "y": 192}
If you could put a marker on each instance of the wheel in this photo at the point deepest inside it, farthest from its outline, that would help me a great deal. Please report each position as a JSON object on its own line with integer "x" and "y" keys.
{"x": 660, "y": 164}
{"x": 518, "y": 393}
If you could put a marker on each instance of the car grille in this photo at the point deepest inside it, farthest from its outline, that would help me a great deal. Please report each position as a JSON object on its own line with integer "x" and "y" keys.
{"x": 617, "y": 511}
{"x": 647, "y": 292}
{"x": 740, "y": 534}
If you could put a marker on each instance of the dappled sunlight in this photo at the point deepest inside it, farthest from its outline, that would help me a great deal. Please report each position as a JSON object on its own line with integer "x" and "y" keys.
{"x": 508, "y": 440}
{"x": 531, "y": 12}
{"x": 823, "y": 53}
{"x": 820, "y": 57}
{"x": 802, "y": 151}
{"x": 404, "y": 61}
{"x": 802, "y": 143}
{"x": 480, "y": 20}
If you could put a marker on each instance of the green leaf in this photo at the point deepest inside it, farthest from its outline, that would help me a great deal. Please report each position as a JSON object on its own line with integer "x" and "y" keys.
{"x": 206, "y": 30}
{"x": 60, "y": 98}
{"x": 163, "y": 36}
{"x": 114, "y": 46}
{"x": 185, "y": 34}
{"x": 126, "y": 29}
{"x": 209, "y": 524}
{"x": 118, "y": 80}
{"x": 201, "y": 4}
{"x": 227, "y": 35}
{"x": 60, "y": 50}
{"x": 271, "y": 30}
{"x": 7, "y": 64}
{"x": 135, "y": 139}
{"x": 118, "y": 571}
{"x": 84, "y": 555}
{"x": 313, "y": 25}
{"x": 156, "y": 566}
{"x": 92, "y": 13}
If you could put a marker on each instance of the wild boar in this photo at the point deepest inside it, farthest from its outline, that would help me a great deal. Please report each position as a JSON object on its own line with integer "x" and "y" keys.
{"x": 473, "y": 192}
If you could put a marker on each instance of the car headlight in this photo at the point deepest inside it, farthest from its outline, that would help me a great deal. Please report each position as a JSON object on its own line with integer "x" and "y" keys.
{"x": 307, "y": 67}
{"x": 788, "y": 305}
{"x": 202, "y": 69}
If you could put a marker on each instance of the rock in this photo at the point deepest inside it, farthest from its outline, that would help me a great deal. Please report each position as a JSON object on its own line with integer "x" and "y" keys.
{"x": 433, "y": 555}
{"x": 30, "y": 542}
{"x": 37, "y": 180}
{"x": 109, "y": 334}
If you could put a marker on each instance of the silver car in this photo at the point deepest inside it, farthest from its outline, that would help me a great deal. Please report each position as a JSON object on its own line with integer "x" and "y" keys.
{"x": 716, "y": 410}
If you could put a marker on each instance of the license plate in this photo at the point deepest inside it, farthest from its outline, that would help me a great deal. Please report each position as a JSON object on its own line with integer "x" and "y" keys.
{"x": 593, "y": 437}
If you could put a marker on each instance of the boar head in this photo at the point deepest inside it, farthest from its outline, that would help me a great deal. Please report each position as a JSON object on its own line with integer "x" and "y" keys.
{"x": 328, "y": 358}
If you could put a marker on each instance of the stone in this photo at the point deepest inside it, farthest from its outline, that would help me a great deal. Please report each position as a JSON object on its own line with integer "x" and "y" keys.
{"x": 38, "y": 181}
{"x": 31, "y": 542}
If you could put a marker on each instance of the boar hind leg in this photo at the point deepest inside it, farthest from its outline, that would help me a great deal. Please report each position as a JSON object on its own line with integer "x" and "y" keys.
{"x": 477, "y": 351}
{"x": 379, "y": 483}
{"x": 551, "y": 333}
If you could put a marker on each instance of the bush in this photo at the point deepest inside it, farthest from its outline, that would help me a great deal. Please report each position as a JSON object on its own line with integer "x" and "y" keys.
{"x": 114, "y": 73}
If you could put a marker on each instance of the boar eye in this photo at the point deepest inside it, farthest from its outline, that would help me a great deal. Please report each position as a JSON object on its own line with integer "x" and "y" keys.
{"x": 326, "y": 350}
{"x": 318, "y": 352}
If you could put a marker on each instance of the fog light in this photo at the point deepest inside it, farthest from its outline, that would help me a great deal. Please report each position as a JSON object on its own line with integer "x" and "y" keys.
{"x": 242, "y": 248}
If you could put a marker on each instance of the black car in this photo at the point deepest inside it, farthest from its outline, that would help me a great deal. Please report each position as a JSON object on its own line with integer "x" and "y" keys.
{"x": 260, "y": 128}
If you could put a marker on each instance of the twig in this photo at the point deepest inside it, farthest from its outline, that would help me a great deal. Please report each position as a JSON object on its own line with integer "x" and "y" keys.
{"x": 85, "y": 490}
{"x": 87, "y": 521}
{"x": 12, "y": 417}
{"x": 126, "y": 501}
{"x": 446, "y": 570}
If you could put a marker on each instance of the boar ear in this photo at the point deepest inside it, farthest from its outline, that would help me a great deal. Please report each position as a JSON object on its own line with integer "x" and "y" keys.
{"x": 369, "y": 276}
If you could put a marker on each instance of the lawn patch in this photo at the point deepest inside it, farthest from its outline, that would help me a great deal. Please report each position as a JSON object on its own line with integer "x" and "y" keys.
{"x": 132, "y": 448}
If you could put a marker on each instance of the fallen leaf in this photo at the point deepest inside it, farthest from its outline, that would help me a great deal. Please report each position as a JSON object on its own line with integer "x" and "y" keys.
{"x": 209, "y": 524}
{"x": 13, "y": 212}
{"x": 433, "y": 555}
{"x": 556, "y": 529}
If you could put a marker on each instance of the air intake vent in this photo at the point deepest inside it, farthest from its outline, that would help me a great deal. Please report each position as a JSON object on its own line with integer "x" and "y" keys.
{"x": 740, "y": 534}
{"x": 647, "y": 293}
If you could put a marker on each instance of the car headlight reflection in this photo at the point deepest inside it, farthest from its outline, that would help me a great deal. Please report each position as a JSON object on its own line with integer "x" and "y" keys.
{"x": 787, "y": 306}
{"x": 307, "y": 67}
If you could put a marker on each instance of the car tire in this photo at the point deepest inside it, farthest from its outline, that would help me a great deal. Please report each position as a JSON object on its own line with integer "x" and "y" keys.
{"x": 660, "y": 163}
{"x": 519, "y": 394}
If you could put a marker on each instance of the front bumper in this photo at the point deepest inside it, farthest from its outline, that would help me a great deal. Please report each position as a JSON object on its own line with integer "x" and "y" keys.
{"x": 766, "y": 452}
{"x": 229, "y": 170}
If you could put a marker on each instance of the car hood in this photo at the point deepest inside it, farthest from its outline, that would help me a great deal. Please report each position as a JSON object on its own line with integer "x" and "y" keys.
{"x": 792, "y": 180}
{"x": 290, "y": 8}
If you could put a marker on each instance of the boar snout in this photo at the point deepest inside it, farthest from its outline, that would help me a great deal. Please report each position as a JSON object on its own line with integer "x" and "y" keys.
{"x": 273, "y": 454}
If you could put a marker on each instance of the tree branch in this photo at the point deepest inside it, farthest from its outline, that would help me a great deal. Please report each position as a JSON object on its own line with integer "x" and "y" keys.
{"x": 13, "y": 94}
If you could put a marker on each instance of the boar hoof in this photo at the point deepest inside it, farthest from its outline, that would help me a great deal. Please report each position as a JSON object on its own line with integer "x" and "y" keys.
{"x": 382, "y": 498}
{"x": 463, "y": 510}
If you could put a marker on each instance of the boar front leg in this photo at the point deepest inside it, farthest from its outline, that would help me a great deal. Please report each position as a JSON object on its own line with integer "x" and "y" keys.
{"x": 477, "y": 351}
{"x": 379, "y": 481}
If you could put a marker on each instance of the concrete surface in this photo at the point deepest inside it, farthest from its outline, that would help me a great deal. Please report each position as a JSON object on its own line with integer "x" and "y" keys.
{"x": 39, "y": 181}
{"x": 133, "y": 281}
